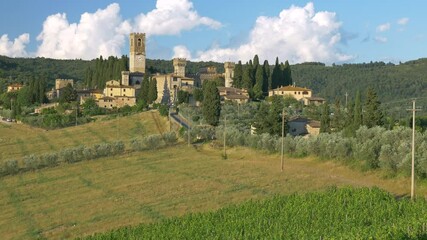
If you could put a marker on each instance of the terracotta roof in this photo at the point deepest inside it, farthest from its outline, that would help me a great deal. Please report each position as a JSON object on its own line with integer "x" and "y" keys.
{"x": 314, "y": 123}
{"x": 236, "y": 96}
{"x": 232, "y": 89}
{"x": 15, "y": 85}
{"x": 291, "y": 88}
{"x": 121, "y": 86}
{"x": 315, "y": 98}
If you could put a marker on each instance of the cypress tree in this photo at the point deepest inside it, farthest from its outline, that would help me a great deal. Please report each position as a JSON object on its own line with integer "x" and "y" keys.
{"x": 247, "y": 77}
{"x": 325, "y": 120}
{"x": 258, "y": 88}
{"x": 373, "y": 115}
{"x": 266, "y": 76}
{"x": 275, "y": 76}
{"x": 238, "y": 74}
{"x": 211, "y": 107}
{"x": 287, "y": 75}
{"x": 145, "y": 86}
{"x": 256, "y": 61}
{"x": 357, "y": 118}
{"x": 152, "y": 91}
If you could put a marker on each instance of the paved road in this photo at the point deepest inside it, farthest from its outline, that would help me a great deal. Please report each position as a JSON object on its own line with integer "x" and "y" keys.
{"x": 182, "y": 121}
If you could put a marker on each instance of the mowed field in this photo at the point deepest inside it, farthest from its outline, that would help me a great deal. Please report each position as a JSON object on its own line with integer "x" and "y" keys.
{"x": 18, "y": 140}
{"x": 95, "y": 196}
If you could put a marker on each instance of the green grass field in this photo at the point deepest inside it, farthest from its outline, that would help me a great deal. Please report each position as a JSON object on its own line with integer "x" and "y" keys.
{"x": 18, "y": 140}
{"x": 96, "y": 196}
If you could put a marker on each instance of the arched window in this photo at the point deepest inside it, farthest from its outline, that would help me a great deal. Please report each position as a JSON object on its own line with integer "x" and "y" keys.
{"x": 139, "y": 42}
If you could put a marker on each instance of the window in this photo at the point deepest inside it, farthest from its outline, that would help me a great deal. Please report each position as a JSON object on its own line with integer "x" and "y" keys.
{"x": 111, "y": 94}
{"x": 295, "y": 93}
{"x": 139, "y": 42}
{"x": 124, "y": 90}
{"x": 111, "y": 89}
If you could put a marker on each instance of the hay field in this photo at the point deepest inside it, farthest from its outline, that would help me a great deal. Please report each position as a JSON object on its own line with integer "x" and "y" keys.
{"x": 95, "y": 196}
{"x": 18, "y": 140}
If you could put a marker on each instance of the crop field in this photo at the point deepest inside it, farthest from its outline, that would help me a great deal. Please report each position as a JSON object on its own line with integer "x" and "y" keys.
{"x": 18, "y": 140}
{"x": 345, "y": 213}
{"x": 84, "y": 198}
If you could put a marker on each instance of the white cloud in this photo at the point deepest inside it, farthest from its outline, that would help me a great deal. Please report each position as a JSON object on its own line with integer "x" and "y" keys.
{"x": 298, "y": 34}
{"x": 181, "y": 51}
{"x": 381, "y": 39}
{"x": 403, "y": 21}
{"x": 15, "y": 48}
{"x": 383, "y": 27}
{"x": 99, "y": 33}
{"x": 171, "y": 17}
{"x": 104, "y": 32}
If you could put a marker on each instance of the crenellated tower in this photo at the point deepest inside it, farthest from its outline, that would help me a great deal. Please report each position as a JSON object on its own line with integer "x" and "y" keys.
{"x": 229, "y": 73}
{"x": 179, "y": 66}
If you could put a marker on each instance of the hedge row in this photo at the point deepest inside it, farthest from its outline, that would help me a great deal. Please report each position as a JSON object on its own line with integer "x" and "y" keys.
{"x": 84, "y": 153}
{"x": 372, "y": 147}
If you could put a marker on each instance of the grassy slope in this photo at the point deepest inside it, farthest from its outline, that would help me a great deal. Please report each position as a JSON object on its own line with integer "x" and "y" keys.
{"x": 18, "y": 140}
{"x": 95, "y": 196}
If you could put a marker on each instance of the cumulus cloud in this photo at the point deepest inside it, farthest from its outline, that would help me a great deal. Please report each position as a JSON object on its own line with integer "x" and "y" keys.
{"x": 104, "y": 32}
{"x": 171, "y": 17}
{"x": 381, "y": 39}
{"x": 181, "y": 51}
{"x": 383, "y": 27}
{"x": 403, "y": 21}
{"x": 15, "y": 48}
{"x": 99, "y": 33}
{"x": 298, "y": 34}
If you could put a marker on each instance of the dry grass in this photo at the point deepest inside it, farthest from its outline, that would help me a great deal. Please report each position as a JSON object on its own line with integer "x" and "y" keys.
{"x": 95, "y": 196}
{"x": 18, "y": 140}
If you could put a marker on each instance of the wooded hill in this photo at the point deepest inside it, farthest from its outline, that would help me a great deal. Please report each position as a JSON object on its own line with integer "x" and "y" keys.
{"x": 391, "y": 82}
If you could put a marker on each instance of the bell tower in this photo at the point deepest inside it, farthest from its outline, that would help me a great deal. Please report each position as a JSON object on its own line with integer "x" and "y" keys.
{"x": 137, "y": 52}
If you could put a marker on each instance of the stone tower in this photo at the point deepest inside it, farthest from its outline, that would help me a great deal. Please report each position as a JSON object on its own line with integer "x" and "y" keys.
{"x": 229, "y": 73}
{"x": 137, "y": 52}
{"x": 179, "y": 66}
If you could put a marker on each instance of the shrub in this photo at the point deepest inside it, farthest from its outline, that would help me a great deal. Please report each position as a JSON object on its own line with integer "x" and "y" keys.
{"x": 66, "y": 155}
{"x": 31, "y": 162}
{"x": 49, "y": 159}
{"x": 10, "y": 166}
{"x": 102, "y": 150}
{"x": 136, "y": 145}
{"x": 170, "y": 138}
{"x": 152, "y": 142}
{"x": 118, "y": 147}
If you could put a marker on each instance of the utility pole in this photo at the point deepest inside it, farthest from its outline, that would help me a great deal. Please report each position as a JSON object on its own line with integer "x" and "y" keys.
{"x": 76, "y": 112}
{"x": 346, "y": 96}
{"x": 225, "y": 125}
{"x": 413, "y": 149}
{"x": 188, "y": 127}
{"x": 283, "y": 138}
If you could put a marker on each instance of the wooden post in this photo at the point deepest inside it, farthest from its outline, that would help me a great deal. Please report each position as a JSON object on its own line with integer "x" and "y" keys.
{"x": 225, "y": 125}
{"x": 283, "y": 138}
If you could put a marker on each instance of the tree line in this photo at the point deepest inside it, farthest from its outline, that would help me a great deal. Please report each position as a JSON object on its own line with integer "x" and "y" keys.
{"x": 259, "y": 79}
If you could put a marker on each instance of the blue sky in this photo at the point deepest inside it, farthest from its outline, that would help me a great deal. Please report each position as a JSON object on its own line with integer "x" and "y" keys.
{"x": 330, "y": 31}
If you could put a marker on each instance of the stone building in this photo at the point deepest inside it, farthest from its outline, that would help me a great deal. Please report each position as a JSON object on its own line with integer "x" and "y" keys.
{"x": 299, "y": 93}
{"x": 168, "y": 85}
{"x": 14, "y": 87}
{"x": 60, "y": 84}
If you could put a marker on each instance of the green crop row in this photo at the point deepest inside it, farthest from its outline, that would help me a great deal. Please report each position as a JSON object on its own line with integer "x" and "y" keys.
{"x": 345, "y": 213}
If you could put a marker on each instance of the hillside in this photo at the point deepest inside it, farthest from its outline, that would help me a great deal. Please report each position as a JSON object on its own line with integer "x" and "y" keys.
{"x": 393, "y": 83}
{"x": 142, "y": 187}
{"x": 18, "y": 140}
